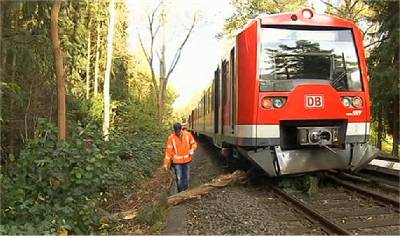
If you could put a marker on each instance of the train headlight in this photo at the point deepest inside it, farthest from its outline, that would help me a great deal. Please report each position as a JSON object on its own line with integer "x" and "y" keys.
{"x": 307, "y": 13}
{"x": 352, "y": 102}
{"x": 346, "y": 101}
{"x": 278, "y": 102}
{"x": 273, "y": 102}
{"x": 357, "y": 102}
{"x": 266, "y": 103}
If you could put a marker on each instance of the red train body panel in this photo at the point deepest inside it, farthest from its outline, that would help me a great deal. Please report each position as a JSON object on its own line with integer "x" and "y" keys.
{"x": 293, "y": 84}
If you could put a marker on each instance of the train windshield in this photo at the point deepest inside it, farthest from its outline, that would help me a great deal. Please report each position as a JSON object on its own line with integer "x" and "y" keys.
{"x": 290, "y": 57}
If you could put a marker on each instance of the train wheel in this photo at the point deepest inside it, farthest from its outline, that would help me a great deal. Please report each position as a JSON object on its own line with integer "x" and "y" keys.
{"x": 233, "y": 160}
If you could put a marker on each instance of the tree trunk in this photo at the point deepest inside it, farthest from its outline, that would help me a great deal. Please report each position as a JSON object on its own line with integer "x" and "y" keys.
{"x": 1, "y": 39}
{"x": 4, "y": 22}
{"x": 380, "y": 127}
{"x": 218, "y": 182}
{"x": 27, "y": 109}
{"x": 96, "y": 65}
{"x": 60, "y": 73}
{"x": 396, "y": 130}
{"x": 160, "y": 100}
{"x": 160, "y": 88}
{"x": 88, "y": 65}
{"x": 194, "y": 193}
{"x": 163, "y": 67}
{"x": 106, "y": 91}
{"x": 162, "y": 97}
{"x": 1, "y": 22}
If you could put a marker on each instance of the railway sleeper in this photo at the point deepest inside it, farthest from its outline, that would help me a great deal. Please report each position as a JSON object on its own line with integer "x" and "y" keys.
{"x": 338, "y": 213}
{"x": 371, "y": 224}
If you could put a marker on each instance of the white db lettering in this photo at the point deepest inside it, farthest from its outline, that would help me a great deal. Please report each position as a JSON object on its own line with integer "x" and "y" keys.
{"x": 314, "y": 101}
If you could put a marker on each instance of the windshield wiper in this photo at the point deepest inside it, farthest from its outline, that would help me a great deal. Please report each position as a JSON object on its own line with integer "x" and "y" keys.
{"x": 340, "y": 76}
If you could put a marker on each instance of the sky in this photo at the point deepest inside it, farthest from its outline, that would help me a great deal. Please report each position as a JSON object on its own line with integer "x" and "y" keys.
{"x": 201, "y": 54}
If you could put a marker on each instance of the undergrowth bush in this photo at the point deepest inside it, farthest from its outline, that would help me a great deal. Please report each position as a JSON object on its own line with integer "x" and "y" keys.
{"x": 154, "y": 215}
{"x": 54, "y": 185}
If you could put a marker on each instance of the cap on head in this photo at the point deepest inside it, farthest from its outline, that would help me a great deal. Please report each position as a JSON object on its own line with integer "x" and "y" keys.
{"x": 177, "y": 127}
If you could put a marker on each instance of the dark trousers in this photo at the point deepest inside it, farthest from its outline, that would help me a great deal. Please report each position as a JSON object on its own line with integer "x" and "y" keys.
{"x": 182, "y": 173}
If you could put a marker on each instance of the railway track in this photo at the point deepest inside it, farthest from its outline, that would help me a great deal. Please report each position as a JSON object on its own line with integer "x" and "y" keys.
{"x": 257, "y": 208}
{"x": 373, "y": 181}
{"x": 345, "y": 208}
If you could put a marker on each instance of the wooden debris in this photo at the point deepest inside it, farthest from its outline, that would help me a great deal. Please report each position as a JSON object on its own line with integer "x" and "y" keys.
{"x": 128, "y": 215}
{"x": 218, "y": 182}
{"x": 197, "y": 192}
{"x": 63, "y": 232}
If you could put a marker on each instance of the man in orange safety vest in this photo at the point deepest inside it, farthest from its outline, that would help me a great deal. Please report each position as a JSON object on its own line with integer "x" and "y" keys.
{"x": 179, "y": 151}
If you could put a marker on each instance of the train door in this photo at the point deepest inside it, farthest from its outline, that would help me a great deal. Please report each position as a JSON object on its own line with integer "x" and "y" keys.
{"x": 233, "y": 90}
{"x": 225, "y": 98}
{"x": 217, "y": 107}
{"x": 217, "y": 84}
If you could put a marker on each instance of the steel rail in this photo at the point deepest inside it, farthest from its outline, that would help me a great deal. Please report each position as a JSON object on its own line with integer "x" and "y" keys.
{"x": 365, "y": 179}
{"x": 327, "y": 225}
{"x": 381, "y": 198}
{"x": 382, "y": 170}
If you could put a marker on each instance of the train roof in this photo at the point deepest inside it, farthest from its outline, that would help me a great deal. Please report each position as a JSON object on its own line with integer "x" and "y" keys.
{"x": 303, "y": 17}
{"x": 299, "y": 18}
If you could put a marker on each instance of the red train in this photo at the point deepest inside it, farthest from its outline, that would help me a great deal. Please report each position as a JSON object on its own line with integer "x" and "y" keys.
{"x": 291, "y": 95}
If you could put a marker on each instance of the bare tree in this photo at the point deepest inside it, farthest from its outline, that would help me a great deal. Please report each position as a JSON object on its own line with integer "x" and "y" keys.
{"x": 60, "y": 72}
{"x": 106, "y": 91}
{"x": 161, "y": 85}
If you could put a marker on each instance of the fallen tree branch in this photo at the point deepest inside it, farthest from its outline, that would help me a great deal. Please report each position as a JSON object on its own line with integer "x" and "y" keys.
{"x": 197, "y": 192}
{"x": 218, "y": 182}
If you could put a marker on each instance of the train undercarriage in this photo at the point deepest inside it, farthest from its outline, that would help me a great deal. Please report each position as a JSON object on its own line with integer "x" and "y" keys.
{"x": 307, "y": 149}
{"x": 275, "y": 161}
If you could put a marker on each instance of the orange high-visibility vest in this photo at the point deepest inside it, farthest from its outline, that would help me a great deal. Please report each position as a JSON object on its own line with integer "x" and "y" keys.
{"x": 179, "y": 148}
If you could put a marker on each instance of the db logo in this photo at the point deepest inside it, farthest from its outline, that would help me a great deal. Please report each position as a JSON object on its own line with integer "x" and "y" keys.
{"x": 314, "y": 101}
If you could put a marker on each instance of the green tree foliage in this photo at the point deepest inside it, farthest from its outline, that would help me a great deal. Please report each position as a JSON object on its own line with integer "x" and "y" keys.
{"x": 384, "y": 69}
{"x": 354, "y": 10}
{"x": 248, "y": 9}
{"x": 47, "y": 185}
{"x": 64, "y": 185}
{"x": 28, "y": 78}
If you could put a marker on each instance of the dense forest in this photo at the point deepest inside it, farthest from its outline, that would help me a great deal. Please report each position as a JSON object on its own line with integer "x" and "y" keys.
{"x": 60, "y": 158}
{"x": 82, "y": 117}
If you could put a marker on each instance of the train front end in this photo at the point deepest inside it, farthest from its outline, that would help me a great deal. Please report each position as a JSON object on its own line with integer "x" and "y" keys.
{"x": 313, "y": 95}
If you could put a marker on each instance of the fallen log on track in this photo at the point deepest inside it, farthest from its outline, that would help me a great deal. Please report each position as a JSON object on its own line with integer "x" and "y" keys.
{"x": 216, "y": 183}
{"x": 197, "y": 192}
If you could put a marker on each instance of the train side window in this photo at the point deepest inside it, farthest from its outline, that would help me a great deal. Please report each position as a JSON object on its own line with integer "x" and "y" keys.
{"x": 207, "y": 98}
{"x": 202, "y": 107}
{"x": 205, "y": 104}
{"x": 213, "y": 96}
{"x": 210, "y": 100}
{"x": 217, "y": 94}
